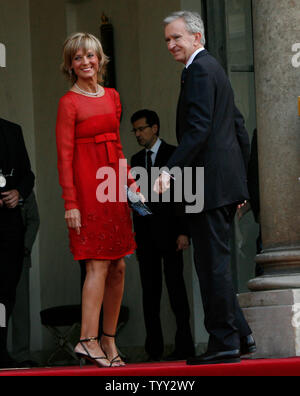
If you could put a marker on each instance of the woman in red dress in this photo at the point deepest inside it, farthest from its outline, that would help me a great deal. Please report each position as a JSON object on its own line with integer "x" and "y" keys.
{"x": 100, "y": 232}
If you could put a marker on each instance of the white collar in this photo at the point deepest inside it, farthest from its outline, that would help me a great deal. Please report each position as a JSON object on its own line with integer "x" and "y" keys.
{"x": 156, "y": 147}
{"x": 191, "y": 60}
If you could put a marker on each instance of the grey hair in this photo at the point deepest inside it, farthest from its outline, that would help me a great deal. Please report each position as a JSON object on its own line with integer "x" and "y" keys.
{"x": 193, "y": 21}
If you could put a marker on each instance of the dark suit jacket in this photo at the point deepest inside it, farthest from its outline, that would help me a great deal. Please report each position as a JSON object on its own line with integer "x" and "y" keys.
{"x": 13, "y": 155}
{"x": 253, "y": 178}
{"x": 211, "y": 133}
{"x": 168, "y": 220}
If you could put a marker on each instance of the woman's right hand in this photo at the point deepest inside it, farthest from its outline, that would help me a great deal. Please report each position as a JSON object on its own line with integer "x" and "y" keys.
{"x": 73, "y": 219}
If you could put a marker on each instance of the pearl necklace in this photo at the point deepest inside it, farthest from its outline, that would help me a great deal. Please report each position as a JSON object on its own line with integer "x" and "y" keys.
{"x": 89, "y": 93}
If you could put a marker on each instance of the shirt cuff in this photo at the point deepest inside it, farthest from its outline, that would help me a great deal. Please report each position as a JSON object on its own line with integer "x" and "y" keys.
{"x": 172, "y": 177}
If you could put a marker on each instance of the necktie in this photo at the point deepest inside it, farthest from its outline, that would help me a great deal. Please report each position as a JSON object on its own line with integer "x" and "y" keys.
{"x": 183, "y": 75}
{"x": 149, "y": 161}
{"x": 149, "y": 166}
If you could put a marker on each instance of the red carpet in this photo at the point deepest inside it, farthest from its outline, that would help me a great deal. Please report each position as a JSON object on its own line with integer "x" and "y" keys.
{"x": 281, "y": 367}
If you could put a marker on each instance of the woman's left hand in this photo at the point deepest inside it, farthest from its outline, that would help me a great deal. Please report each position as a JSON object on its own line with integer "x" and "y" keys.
{"x": 73, "y": 219}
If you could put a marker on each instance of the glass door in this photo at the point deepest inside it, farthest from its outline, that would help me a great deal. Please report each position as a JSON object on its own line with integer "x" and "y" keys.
{"x": 240, "y": 58}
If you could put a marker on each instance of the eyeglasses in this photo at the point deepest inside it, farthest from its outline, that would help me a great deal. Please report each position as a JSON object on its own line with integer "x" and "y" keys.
{"x": 140, "y": 129}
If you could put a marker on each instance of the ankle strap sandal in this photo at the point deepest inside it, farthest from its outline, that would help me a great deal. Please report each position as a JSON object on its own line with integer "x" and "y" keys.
{"x": 87, "y": 356}
{"x": 116, "y": 359}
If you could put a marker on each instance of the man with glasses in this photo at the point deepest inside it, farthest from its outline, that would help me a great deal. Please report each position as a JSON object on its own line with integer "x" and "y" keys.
{"x": 161, "y": 237}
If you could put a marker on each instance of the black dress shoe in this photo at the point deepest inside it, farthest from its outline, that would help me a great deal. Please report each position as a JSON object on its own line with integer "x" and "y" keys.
{"x": 248, "y": 345}
{"x": 9, "y": 363}
{"x": 215, "y": 358}
{"x": 6, "y": 362}
{"x": 29, "y": 364}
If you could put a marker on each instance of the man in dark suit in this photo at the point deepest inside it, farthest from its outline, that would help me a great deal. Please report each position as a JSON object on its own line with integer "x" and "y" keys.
{"x": 16, "y": 184}
{"x": 160, "y": 237}
{"x": 211, "y": 134}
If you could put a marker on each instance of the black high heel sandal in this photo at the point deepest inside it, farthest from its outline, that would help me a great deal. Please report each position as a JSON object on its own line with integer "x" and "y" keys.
{"x": 116, "y": 359}
{"x": 82, "y": 357}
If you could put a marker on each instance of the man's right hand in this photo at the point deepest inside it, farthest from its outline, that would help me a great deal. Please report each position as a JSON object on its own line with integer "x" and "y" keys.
{"x": 11, "y": 198}
{"x": 163, "y": 183}
{"x": 73, "y": 219}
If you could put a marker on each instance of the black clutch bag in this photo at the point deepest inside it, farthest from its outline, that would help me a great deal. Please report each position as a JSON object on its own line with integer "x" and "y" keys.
{"x": 136, "y": 204}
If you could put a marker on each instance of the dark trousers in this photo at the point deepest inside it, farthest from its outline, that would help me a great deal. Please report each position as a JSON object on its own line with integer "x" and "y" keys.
{"x": 11, "y": 260}
{"x": 224, "y": 320}
{"x": 150, "y": 260}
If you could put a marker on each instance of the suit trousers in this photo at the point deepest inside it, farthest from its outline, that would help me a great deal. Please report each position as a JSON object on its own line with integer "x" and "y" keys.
{"x": 224, "y": 319}
{"x": 150, "y": 261}
{"x": 11, "y": 260}
{"x": 20, "y": 320}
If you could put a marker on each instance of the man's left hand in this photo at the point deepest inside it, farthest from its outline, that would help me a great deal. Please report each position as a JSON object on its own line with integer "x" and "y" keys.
{"x": 240, "y": 206}
{"x": 243, "y": 209}
{"x": 163, "y": 183}
{"x": 11, "y": 199}
{"x": 183, "y": 242}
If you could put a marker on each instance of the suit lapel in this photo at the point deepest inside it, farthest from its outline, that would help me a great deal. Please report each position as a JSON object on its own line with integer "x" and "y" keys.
{"x": 202, "y": 53}
{"x": 180, "y": 105}
{"x": 141, "y": 158}
{"x": 2, "y": 148}
{"x": 185, "y": 71}
{"x": 160, "y": 154}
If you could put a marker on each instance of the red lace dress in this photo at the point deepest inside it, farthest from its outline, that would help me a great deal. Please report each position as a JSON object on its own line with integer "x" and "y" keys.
{"x": 88, "y": 139}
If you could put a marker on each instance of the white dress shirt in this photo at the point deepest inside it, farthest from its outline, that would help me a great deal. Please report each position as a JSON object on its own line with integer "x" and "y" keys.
{"x": 191, "y": 60}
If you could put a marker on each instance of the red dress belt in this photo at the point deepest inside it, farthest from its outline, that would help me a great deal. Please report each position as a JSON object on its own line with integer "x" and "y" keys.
{"x": 108, "y": 139}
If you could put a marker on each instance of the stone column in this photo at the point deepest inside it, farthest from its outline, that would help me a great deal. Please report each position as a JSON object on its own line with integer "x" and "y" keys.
{"x": 273, "y": 310}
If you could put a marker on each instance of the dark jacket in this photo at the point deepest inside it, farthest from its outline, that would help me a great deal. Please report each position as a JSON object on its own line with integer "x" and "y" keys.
{"x": 253, "y": 178}
{"x": 13, "y": 156}
{"x": 211, "y": 133}
{"x": 168, "y": 220}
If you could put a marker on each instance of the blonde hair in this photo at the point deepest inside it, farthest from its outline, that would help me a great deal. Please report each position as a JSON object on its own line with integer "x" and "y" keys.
{"x": 86, "y": 42}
